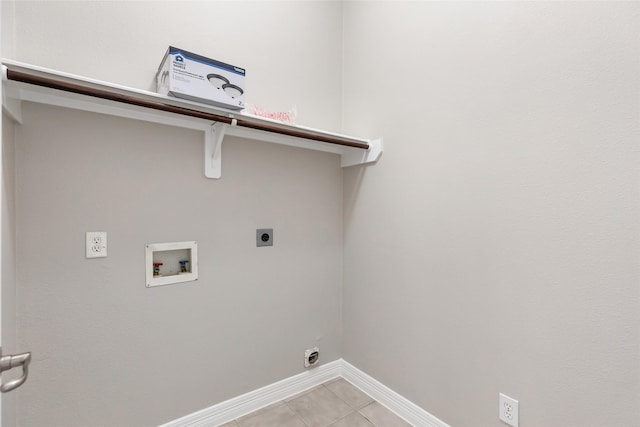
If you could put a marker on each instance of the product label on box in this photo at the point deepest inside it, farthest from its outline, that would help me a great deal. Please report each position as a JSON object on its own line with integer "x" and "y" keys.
{"x": 187, "y": 75}
{"x": 179, "y": 56}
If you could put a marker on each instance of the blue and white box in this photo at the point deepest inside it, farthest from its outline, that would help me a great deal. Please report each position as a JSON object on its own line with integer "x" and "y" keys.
{"x": 194, "y": 77}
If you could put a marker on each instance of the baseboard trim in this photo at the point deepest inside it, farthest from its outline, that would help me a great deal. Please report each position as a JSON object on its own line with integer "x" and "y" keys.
{"x": 238, "y": 406}
{"x": 404, "y": 408}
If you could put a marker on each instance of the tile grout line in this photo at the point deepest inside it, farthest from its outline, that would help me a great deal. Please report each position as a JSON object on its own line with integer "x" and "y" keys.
{"x": 296, "y": 412}
{"x": 372, "y": 400}
{"x": 309, "y": 391}
{"x": 240, "y": 406}
{"x": 340, "y": 399}
{"x": 324, "y": 386}
{"x": 353, "y": 409}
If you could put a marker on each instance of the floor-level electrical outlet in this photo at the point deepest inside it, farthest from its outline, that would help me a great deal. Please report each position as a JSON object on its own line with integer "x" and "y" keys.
{"x": 508, "y": 410}
{"x": 96, "y": 244}
{"x": 311, "y": 357}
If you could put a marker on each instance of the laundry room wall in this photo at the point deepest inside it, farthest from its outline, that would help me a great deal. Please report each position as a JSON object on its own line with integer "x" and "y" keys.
{"x": 494, "y": 247}
{"x": 291, "y": 50}
{"x": 107, "y": 350}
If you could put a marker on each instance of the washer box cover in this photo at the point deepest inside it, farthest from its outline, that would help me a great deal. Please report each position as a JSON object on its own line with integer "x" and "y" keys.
{"x": 194, "y": 77}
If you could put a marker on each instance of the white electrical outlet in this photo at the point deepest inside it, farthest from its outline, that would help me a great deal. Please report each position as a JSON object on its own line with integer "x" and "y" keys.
{"x": 508, "y": 410}
{"x": 311, "y": 357}
{"x": 96, "y": 244}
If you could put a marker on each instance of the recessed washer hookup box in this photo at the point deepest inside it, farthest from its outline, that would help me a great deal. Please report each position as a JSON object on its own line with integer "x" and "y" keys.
{"x": 194, "y": 77}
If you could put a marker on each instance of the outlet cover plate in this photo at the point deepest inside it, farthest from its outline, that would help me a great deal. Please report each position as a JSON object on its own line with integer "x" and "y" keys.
{"x": 264, "y": 237}
{"x": 508, "y": 410}
{"x": 96, "y": 244}
{"x": 315, "y": 352}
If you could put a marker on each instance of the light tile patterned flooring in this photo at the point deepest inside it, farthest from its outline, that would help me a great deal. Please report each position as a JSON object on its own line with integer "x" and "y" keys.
{"x": 336, "y": 403}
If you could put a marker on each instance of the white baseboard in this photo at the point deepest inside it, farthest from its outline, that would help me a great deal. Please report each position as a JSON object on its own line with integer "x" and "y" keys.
{"x": 404, "y": 408}
{"x": 238, "y": 406}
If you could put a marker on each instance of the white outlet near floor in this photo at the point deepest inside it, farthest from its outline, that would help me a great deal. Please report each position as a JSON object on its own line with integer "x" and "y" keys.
{"x": 508, "y": 410}
{"x": 311, "y": 357}
{"x": 96, "y": 244}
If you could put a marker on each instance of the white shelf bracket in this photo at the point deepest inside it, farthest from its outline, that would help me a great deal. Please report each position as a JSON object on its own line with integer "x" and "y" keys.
{"x": 354, "y": 156}
{"x": 12, "y": 106}
{"x": 10, "y": 102}
{"x": 213, "y": 150}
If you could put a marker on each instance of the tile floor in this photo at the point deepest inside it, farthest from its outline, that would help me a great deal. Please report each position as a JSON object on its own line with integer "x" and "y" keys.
{"x": 336, "y": 403}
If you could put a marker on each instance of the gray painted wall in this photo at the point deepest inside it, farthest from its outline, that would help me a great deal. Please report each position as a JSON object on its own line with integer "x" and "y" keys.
{"x": 292, "y": 50}
{"x": 109, "y": 351}
{"x": 505, "y": 205}
{"x": 106, "y": 350}
{"x": 495, "y": 246}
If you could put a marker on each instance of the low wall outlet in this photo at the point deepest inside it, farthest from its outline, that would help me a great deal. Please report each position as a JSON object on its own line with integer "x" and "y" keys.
{"x": 311, "y": 357}
{"x": 508, "y": 410}
{"x": 96, "y": 244}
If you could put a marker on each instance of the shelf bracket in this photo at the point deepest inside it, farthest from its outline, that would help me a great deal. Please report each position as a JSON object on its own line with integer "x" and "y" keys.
{"x": 213, "y": 150}
{"x": 353, "y": 157}
{"x": 11, "y": 104}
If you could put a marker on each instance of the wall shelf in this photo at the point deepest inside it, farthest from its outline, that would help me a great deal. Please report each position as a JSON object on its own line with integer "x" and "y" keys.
{"x": 25, "y": 82}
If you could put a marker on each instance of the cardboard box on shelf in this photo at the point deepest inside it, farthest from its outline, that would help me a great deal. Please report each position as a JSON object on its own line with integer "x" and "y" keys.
{"x": 197, "y": 78}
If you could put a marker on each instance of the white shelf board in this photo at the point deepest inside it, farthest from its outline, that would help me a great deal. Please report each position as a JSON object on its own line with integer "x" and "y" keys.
{"x": 225, "y": 122}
